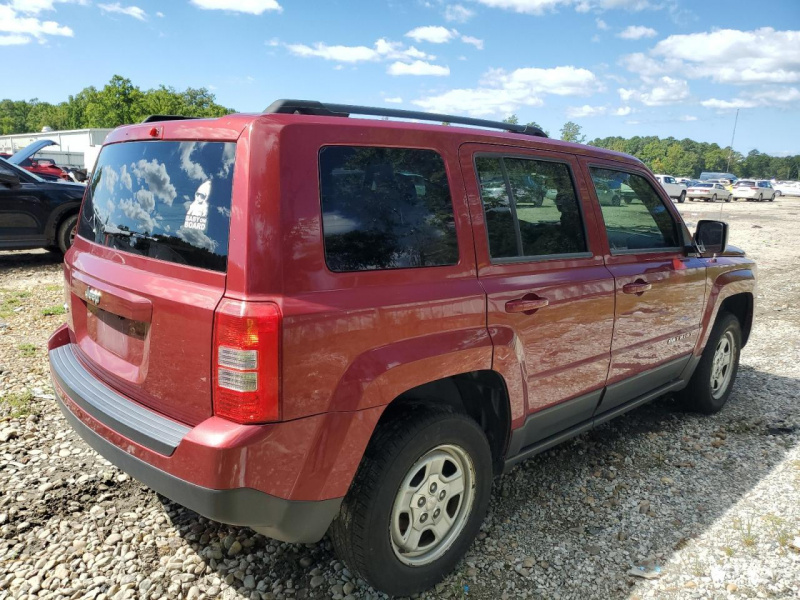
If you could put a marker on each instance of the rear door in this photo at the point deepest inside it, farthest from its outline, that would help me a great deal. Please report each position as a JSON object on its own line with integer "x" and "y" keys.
{"x": 659, "y": 289}
{"x": 23, "y": 211}
{"x": 550, "y": 297}
{"x": 149, "y": 267}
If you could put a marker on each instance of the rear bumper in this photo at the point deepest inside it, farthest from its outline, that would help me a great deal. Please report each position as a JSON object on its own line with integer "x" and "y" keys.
{"x": 221, "y": 470}
{"x": 286, "y": 520}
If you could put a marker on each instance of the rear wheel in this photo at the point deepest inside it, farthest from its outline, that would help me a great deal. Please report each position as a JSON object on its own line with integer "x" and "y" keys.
{"x": 615, "y": 201}
{"x": 682, "y": 197}
{"x": 714, "y": 198}
{"x": 417, "y": 501}
{"x": 761, "y": 197}
{"x": 66, "y": 233}
{"x": 711, "y": 384}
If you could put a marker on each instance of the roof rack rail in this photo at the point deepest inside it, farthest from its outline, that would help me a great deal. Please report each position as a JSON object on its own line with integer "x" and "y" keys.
{"x": 326, "y": 109}
{"x": 156, "y": 118}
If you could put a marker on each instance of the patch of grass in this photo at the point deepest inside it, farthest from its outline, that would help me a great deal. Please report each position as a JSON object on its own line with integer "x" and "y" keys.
{"x": 11, "y": 299}
{"x": 27, "y": 350}
{"x": 54, "y": 287}
{"x": 20, "y": 404}
{"x": 58, "y": 309}
{"x": 748, "y": 538}
{"x": 728, "y": 551}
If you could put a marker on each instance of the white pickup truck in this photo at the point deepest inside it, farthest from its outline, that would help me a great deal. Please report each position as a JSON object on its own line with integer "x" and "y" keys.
{"x": 676, "y": 190}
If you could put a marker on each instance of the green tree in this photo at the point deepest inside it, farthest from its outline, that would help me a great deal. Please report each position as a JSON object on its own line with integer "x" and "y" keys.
{"x": 572, "y": 132}
{"x": 511, "y": 120}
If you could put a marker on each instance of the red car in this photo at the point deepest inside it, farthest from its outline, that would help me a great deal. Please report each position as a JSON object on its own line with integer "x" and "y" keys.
{"x": 43, "y": 167}
{"x": 299, "y": 321}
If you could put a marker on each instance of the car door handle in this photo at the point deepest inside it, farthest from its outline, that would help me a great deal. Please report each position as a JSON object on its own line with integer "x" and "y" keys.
{"x": 524, "y": 305}
{"x": 638, "y": 287}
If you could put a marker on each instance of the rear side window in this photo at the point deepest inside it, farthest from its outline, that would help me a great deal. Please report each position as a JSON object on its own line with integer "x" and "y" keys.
{"x": 531, "y": 208}
{"x": 385, "y": 208}
{"x": 165, "y": 200}
{"x": 642, "y": 222}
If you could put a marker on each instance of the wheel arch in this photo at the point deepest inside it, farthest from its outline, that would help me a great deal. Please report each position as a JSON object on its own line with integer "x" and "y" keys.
{"x": 732, "y": 291}
{"x": 57, "y": 218}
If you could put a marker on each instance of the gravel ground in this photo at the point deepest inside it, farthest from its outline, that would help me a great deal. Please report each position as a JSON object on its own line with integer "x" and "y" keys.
{"x": 709, "y": 506}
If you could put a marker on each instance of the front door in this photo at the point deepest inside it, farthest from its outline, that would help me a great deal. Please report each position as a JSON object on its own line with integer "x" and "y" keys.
{"x": 20, "y": 213}
{"x": 550, "y": 297}
{"x": 659, "y": 288}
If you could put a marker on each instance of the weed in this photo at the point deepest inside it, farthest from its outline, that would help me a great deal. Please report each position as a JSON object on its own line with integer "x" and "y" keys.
{"x": 20, "y": 404}
{"x": 53, "y": 310}
{"x": 27, "y": 350}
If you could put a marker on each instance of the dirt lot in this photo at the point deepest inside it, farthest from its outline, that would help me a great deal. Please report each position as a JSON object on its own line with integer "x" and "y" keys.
{"x": 712, "y": 505}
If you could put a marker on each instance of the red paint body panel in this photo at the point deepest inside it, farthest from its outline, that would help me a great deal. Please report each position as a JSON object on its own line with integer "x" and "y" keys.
{"x": 353, "y": 342}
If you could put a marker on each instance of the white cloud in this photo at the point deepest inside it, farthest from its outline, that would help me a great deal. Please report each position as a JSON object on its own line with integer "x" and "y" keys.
{"x": 381, "y": 50}
{"x": 160, "y": 15}
{"x": 637, "y": 32}
{"x": 37, "y": 6}
{"x": 725, "y": 56}
{"x": 687, "y": 118}
{"x": 394, "y": 100}
{"x": 418, "y": 67}
{"x": 539, "y": 7}
{"x": 502, "y": 93}
{"x": 18, "y": 26}
{"x": 579, "y": 112}
{"x": 777, "y": 97}
{"x": 434, "y": 34}
{"x": 658, "y": 92}
{"x": 131, "y": 11}
{"x": 273, "y": 42}
{"x": 458, "y": 14}
{"x": 468, "y": 39}
{"x": 602, "y": 25}
{"x": 13, "y": 40}
{"x": 252, "y": 7}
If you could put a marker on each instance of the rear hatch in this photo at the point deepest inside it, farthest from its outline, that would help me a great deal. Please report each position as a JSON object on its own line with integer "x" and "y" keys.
{"x": 148, "y": 269}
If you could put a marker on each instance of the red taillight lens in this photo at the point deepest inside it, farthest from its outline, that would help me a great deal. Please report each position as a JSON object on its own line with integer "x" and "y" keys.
{"x": 246, "y": 361}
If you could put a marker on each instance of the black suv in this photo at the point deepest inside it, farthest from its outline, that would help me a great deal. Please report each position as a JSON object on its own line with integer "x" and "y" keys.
{"x": 35, "y": 213}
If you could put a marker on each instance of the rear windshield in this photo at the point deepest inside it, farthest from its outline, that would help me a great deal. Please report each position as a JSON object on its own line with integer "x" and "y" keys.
{"x": 165, "y": 200}
{"x": 745, "y": 183}
{"x": 705, "y": 185}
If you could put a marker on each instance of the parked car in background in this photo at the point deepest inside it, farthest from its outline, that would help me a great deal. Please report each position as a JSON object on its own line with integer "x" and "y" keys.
{"x": 686, "y": 181}
{"x": 35, "y": 213}
{"x": 295, "y": 350}
{"x": 45, "y": 168}
{"x": 707, "y": 175}
{"x": 708, "y": 191}
{"x": 787, "y": 188}
{"x": 675, "y": 190}
{"x": 753, "y": 189}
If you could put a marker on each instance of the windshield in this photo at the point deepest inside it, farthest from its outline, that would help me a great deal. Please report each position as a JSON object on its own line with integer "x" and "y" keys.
{"x": 703, "y": 185}
{"x": 165, "y": 200}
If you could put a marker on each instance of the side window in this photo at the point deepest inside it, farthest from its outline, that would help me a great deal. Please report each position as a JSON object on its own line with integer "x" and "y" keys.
{"x": 385, "y": 208}
{"x": 6, "y": 170}
{"x": 531, "y": 208}
{"x": 643, "y": 224}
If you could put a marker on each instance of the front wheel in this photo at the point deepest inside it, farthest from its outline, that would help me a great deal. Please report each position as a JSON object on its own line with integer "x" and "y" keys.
{"x": 417, "y": 501}
{"x": 682, "y": 197}
{"x": 615, "y": 201}
{"x": 711, "y": 384}
{"x": 714, "y": 198}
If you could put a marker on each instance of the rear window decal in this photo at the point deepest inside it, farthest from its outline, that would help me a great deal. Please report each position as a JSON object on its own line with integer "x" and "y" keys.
{"x": 197, "y": 215}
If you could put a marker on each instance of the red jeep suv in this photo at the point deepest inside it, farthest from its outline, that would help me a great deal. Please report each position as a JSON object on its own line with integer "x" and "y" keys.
{"x": 302, "y": 322}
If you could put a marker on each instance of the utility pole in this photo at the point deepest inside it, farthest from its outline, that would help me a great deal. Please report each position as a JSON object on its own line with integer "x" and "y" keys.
{"x": 730, "y": 154}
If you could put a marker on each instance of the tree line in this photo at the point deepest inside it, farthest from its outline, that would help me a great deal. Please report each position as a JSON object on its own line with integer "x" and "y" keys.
{"x": 120, "y": 102}
{"x": 117, "y": 103}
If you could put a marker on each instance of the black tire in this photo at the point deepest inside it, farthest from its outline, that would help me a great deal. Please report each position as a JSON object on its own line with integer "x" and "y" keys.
{"x": 714, "y": 198}
{"x": 728, "y": 199}
{"x": 682, "y": 198}
{"x": 66, "y": 232}
{"x": 361, "y": 531}
{"x": 615, "y": 201}
{"x": 761, "y": 197}
{"x": 699, "y": 395}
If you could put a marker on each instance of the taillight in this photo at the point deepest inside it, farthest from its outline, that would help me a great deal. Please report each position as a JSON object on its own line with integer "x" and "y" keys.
{"x": 246, "y": 361}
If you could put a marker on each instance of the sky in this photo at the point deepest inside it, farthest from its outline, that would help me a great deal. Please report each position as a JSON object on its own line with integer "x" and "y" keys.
{"x": 676, "y": 68}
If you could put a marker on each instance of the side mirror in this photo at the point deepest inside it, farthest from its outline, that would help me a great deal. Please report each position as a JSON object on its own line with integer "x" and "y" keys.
{"x": 711, "y": 237}
{"x": 9, "y": 180}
